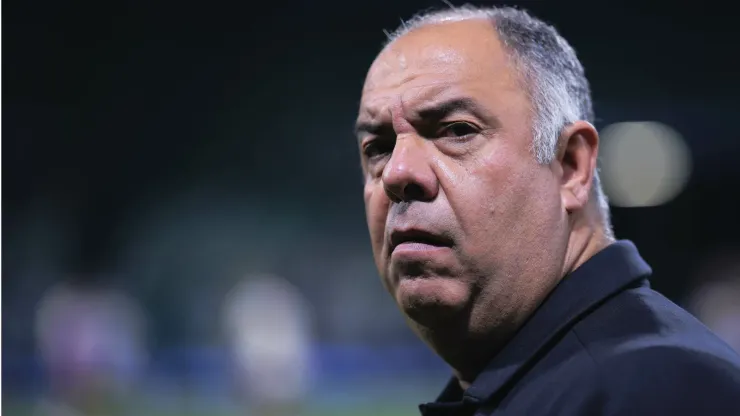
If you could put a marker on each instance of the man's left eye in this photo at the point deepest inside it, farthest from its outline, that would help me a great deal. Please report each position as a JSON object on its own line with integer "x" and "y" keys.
{"x": 459, "y": 129}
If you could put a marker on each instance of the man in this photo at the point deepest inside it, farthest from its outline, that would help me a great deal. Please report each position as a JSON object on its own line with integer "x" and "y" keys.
{"x": 491, "y": 232}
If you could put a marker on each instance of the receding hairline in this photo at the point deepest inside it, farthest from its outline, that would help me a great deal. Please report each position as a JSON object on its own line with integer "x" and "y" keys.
{"x": 420, "y": 22}
{"x": 428, "y": 20}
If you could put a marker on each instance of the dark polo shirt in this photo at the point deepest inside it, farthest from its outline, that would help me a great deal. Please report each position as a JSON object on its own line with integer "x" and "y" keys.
{"x": 604, "y": 343}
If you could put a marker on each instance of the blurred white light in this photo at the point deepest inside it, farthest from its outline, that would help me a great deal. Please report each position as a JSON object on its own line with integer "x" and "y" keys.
{"x": 268, "y": 322}
{"x": 643, "y": 163}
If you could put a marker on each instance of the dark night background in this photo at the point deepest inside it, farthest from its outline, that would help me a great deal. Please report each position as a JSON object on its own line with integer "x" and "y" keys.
{"x": 168, "y": 149}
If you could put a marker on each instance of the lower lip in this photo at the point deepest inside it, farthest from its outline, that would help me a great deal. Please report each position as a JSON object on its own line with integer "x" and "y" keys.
{"x": 411, "y": 249}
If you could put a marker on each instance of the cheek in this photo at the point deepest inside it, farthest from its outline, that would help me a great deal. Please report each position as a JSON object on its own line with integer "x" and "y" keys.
{"x": 506, "y": 197}
{"x": 376, "y": 212}
{"x": 525, "y": 202}
{"x": 499, "y": 179}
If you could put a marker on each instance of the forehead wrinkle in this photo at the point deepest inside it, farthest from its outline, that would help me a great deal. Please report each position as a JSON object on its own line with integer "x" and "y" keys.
{"x": 398, "y": 116}
{"x": 415, "y": 99}
{"x": 375, "y": 107}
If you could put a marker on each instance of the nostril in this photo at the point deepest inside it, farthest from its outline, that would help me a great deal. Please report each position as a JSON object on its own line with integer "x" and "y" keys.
{"x": 413, "y": 192}
{"x": 394, "y": 194}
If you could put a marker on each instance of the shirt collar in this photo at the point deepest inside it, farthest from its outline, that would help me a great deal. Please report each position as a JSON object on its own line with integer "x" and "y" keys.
{"x": 605, "y": 274}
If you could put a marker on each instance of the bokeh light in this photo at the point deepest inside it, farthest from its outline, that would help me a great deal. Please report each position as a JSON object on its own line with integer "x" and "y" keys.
{"x": 643, "y": 163}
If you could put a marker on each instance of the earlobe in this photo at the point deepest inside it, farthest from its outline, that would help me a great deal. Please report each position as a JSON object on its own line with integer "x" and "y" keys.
{"x": 577, "y": 155}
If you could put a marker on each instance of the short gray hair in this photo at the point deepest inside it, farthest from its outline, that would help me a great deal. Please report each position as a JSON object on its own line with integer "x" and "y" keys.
{"x": 553, "y": 75}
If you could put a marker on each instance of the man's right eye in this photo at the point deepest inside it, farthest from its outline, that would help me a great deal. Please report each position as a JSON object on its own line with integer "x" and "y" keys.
{"x": 377, "y": 148}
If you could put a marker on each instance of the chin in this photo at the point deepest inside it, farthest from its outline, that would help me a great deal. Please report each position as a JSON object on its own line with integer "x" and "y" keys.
{"x": 431, "y": 301}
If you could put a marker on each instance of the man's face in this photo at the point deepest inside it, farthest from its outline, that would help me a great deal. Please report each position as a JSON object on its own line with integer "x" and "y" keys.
{"x": 464, "y": 223}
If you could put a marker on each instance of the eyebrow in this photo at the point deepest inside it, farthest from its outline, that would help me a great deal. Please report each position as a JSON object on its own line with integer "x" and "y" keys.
{"x": 433, "y": 111}
{"x": 372, "y": 127}
{"x": 441, "y": 109}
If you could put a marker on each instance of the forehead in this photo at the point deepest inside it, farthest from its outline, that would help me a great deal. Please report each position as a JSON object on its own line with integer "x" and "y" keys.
{"x": 463, "y": 57}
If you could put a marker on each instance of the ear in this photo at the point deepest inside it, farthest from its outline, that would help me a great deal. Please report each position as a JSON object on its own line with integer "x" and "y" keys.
{"x": 577, "y": 154}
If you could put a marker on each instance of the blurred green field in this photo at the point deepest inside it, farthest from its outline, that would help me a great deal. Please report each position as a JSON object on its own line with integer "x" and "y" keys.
{"x": 28, "y": 411}
{"x": 17, "y": 408}
{"x": 392, "y": 396}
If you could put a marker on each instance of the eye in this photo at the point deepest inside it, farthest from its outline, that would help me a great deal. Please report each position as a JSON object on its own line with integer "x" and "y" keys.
{"x": 459, "y": 129}
{"x": 377, "y": 148}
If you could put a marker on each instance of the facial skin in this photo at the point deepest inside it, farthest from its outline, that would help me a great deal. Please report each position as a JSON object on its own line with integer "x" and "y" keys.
{"x": 444, "y": 130}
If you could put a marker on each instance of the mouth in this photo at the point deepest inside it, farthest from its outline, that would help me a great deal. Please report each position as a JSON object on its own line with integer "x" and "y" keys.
{"x": 417, "y": 238}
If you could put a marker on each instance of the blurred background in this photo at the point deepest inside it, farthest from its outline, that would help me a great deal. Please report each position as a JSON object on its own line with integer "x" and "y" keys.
{"x": 183, "y": 228}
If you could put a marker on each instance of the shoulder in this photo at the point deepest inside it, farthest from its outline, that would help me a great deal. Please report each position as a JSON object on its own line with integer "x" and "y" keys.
{"x": 640, "y": 322}
{"x": 670, "y": 379}
{"x": 652, "y": 357}
{"x": 664, "y": 361}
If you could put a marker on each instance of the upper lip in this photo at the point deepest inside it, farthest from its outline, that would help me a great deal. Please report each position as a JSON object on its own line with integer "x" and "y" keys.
{"x": 414, "y": 235}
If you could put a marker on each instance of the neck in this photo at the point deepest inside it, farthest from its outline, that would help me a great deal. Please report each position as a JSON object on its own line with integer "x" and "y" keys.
{"x": 587, "y": 237}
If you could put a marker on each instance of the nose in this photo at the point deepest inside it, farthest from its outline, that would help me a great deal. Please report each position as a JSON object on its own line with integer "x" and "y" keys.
{"x": 408, "y": 175}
